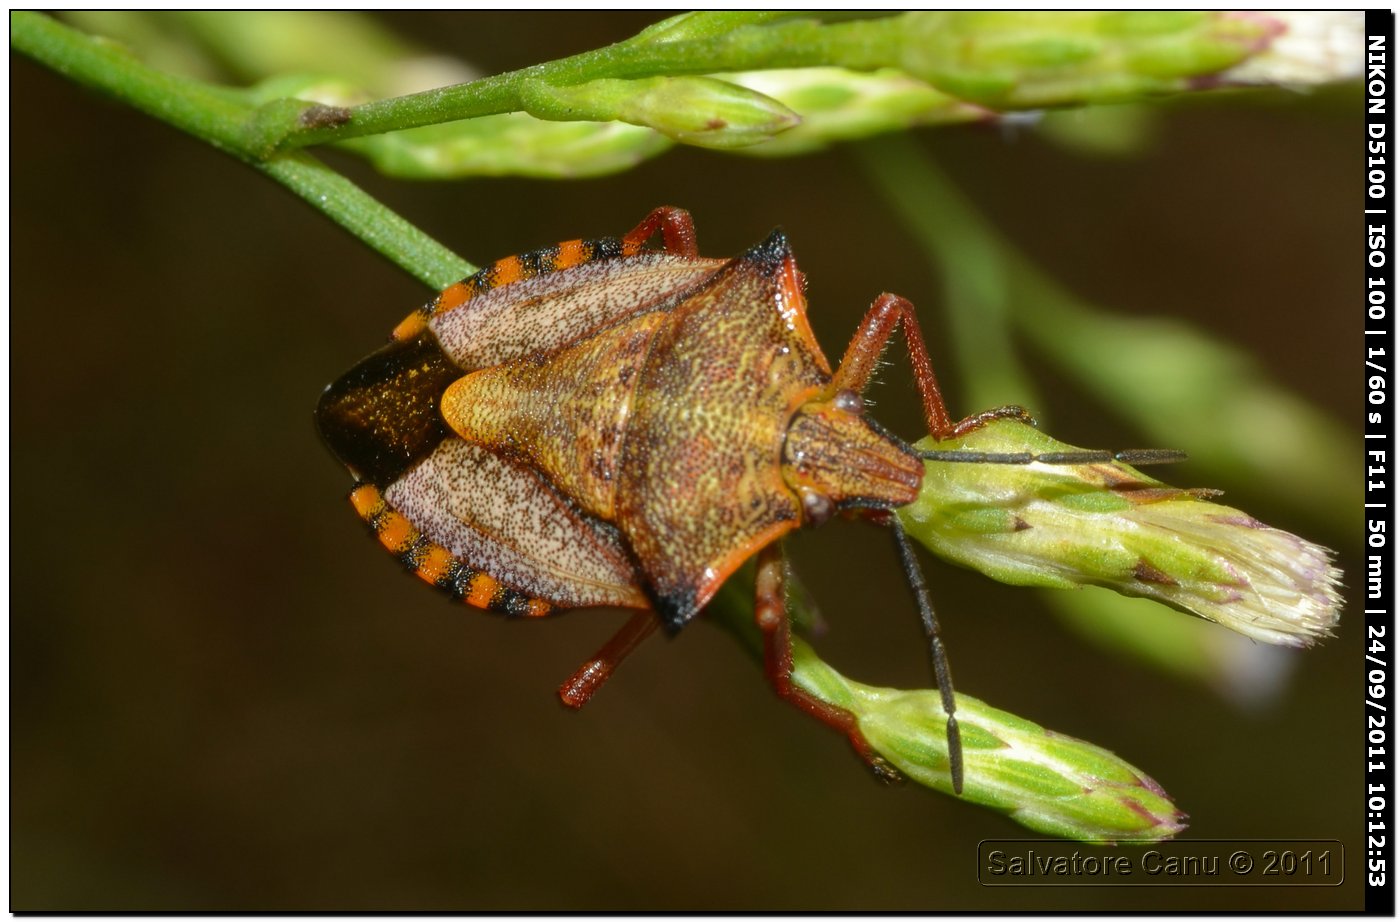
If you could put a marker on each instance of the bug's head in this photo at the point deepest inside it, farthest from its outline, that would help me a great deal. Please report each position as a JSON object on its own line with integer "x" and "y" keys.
{"x": 835, "y": 459}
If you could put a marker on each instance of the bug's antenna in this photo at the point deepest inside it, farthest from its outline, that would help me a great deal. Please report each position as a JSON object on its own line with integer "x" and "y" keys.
{"x": 924, "y": 601}
{"x": 1139, "y": 457}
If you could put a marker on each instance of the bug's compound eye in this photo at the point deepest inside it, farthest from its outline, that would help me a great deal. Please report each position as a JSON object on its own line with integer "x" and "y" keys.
{"x": 816, "y": 508}
{"x": 849, "y": 401}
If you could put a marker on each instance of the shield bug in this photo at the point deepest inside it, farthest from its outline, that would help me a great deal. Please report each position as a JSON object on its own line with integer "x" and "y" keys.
{"x": 599, "y": 423}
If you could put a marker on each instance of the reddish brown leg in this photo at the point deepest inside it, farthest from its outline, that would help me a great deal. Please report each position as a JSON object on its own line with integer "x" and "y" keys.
{"x": 863, "y": 354}
{"x": 677, "y": 231}
{"x": 592, "y": 674}
{"x": 770, "y": 612}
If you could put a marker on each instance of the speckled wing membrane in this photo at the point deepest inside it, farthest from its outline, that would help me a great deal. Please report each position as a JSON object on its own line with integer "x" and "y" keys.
{"x": 543, "y": 313}
{"x": 507, "y": 521}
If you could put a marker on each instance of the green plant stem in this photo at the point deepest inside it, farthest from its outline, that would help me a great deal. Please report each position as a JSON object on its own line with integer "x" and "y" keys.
{"x": 863, "y": 44}
{"x": 205, "y": 111}
{"x": 217, "y": 116}
{"x": 381, "y": 228}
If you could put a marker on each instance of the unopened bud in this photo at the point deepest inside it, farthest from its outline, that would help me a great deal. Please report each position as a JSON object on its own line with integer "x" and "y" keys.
{"x": 1053, "y": 784}
{"x": 701, "y": 111}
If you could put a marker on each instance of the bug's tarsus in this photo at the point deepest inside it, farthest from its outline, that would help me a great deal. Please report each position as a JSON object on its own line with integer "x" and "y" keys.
{"x": 978, "y": 420}
{"x": 590, "y": 677}
{"x": 937, "y": 652}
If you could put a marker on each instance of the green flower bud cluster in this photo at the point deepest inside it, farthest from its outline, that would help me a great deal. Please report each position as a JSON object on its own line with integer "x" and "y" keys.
{"x": 1071, "y": 525}
{"x": 1045, "y": 781}
{"x": 1016, "y": 60}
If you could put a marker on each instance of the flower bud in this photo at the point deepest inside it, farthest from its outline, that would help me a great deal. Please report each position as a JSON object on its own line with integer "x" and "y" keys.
{"x": 1047, "y": 782}
{"x": 1106, "y": 524}
{"x": 701, "y": 111}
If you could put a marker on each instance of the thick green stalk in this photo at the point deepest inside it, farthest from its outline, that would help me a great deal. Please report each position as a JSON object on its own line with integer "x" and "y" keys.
{"x": 802, "y": 43}
{"x": 217, "y": 115}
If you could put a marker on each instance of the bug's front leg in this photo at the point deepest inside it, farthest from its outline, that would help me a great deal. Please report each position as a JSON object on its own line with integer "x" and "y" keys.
{"x": 863, "y": 354}
{"x": 770, "y": 613}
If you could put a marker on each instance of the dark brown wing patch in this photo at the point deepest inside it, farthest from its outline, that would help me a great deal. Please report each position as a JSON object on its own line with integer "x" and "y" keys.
{"x": 382, "y": 416}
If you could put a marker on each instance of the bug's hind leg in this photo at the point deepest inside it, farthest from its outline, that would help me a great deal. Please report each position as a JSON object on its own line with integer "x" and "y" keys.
{"x": 770, "y": 612}
{"x": 677, "y": 232}
{"x": 863, "y": 354}
{"x": 592, "y": 674}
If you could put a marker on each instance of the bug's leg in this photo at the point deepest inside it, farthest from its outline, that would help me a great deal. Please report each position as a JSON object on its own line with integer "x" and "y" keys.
{"x": 592, "y": 674}
{"x": 863, "y": 355}
{"x": 938, "y": 654}
{"x": 770, "y": 612}
{"x": 677, "y": 232}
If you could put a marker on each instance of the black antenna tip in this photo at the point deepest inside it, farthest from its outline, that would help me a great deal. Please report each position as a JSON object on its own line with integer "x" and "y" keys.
{"x": 1145, "y": 456}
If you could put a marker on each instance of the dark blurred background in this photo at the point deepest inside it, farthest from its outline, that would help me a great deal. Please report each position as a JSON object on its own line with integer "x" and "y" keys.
{"x": 226, "y": 696}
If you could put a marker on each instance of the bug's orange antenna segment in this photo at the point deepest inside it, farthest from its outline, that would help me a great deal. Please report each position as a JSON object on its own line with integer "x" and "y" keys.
{"x": 770, "y": 613}
{"x": 677, "y": 232}
{"x": 592, "y": 674}
{"x": 941, "y": 672}
{"x": 863, "y": 354}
